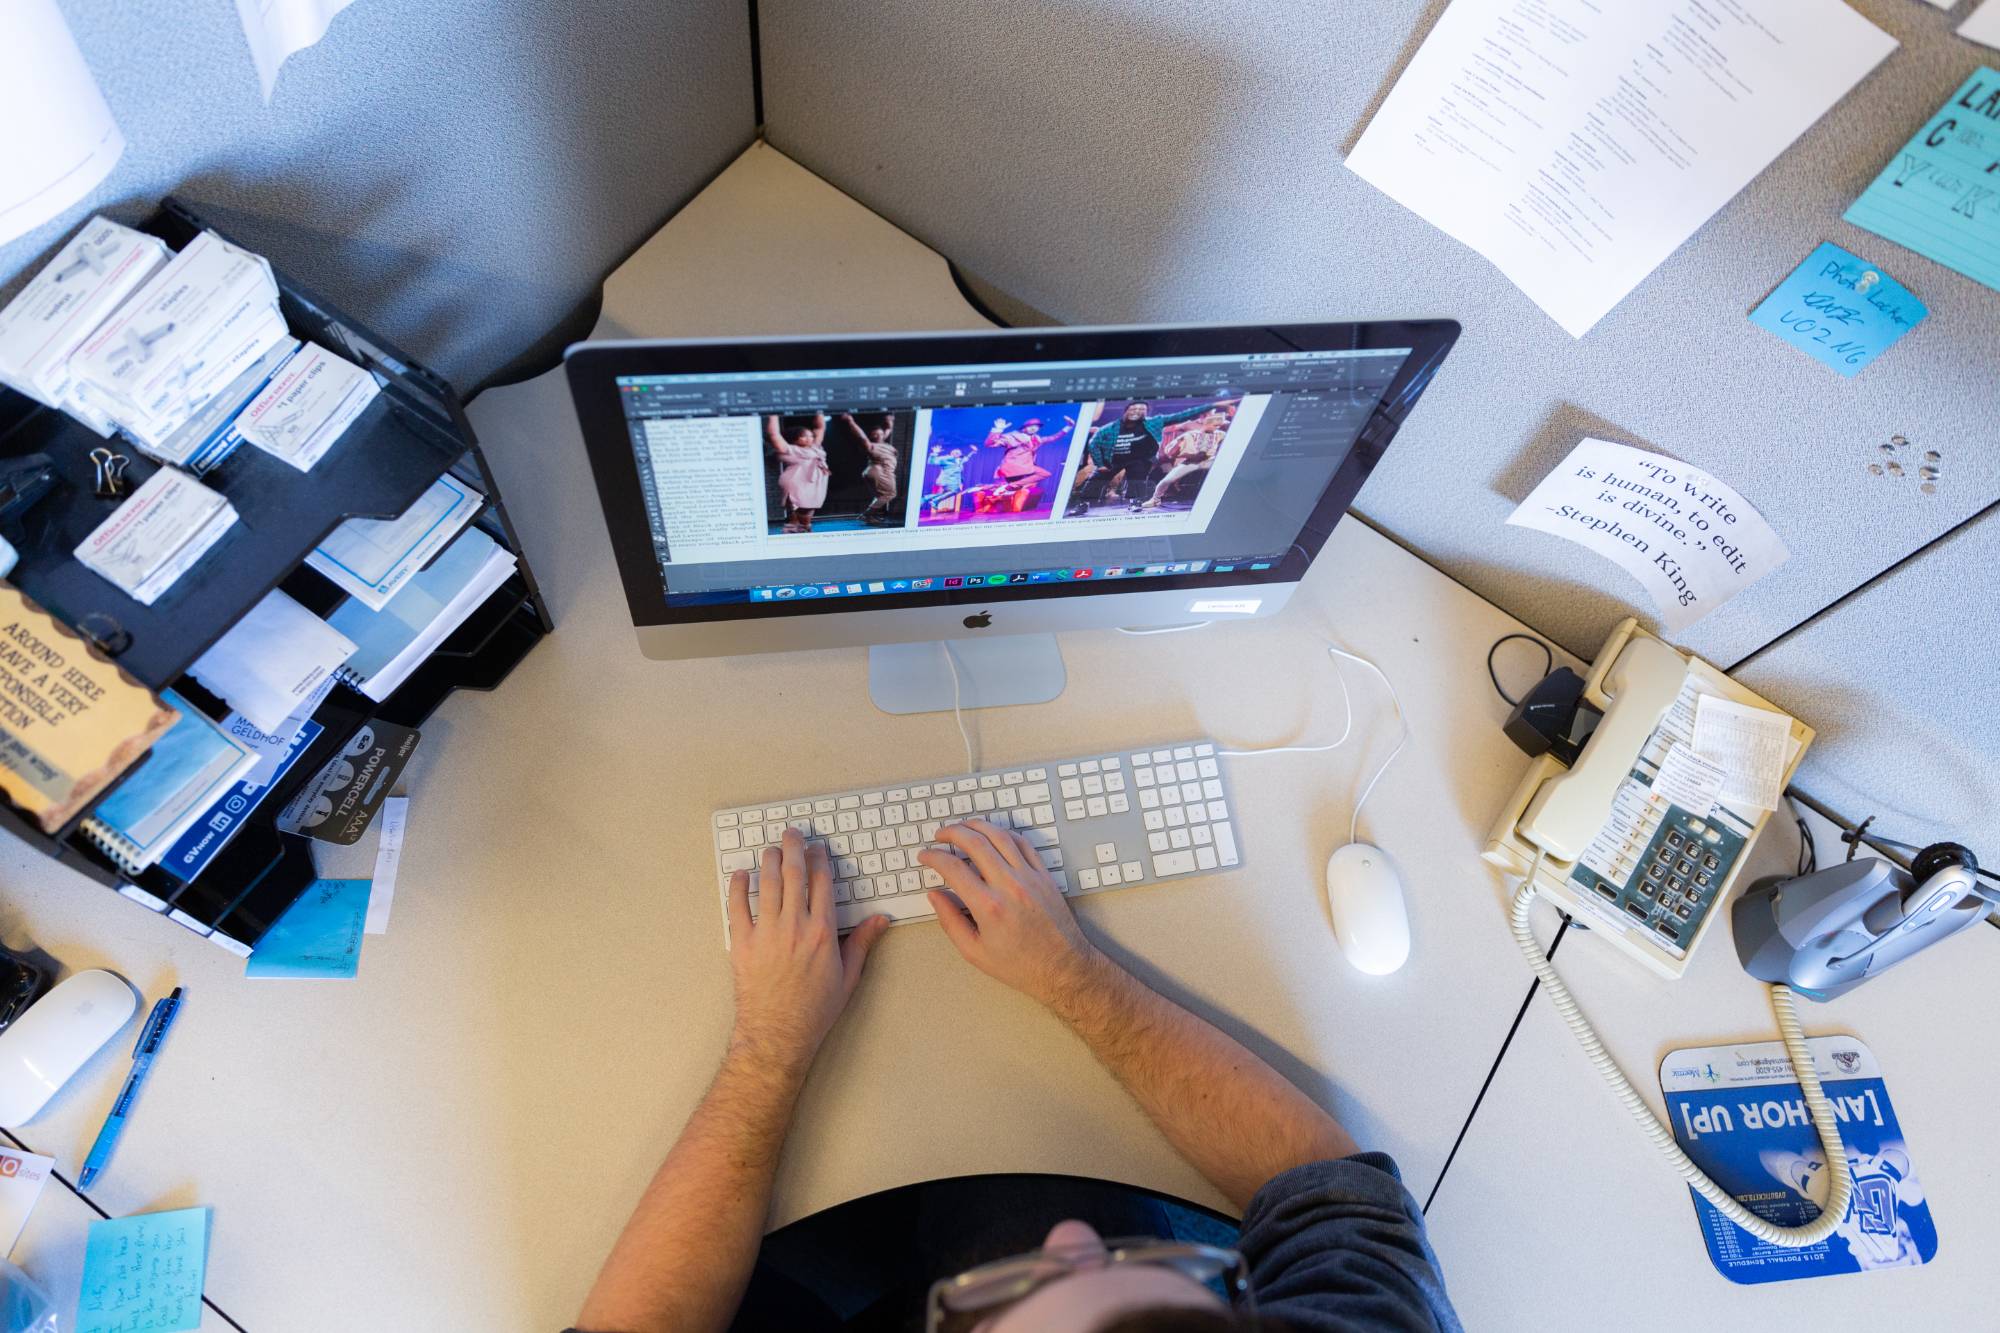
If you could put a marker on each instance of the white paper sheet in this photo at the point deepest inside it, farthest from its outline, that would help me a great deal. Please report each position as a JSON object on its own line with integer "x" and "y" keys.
{"x": 373, "y": 558}
{"x": 60, "y": 139}
{"x": 272, "y": 661}
{"x": 391, "y": 819}
{"x": 1688, "y": 537}
{"x": 1751, "y": 745}
{"x": 1577, "y": 143}
{"x": 277, "y": 28}
{"x": 1984, "y": 25}
{"x": 1687, "y": 780}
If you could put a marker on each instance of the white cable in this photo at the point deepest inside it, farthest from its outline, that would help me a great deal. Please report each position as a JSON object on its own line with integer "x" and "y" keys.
{"x": 1354, "y": 823}
{"x": 1662, "y": 1138}
{"x": 1346, "y": 728}
{"x": 957, "y": 713}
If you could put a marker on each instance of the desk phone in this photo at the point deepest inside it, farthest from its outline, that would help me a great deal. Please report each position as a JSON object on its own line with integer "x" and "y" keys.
{"x": 1645, "y": 874}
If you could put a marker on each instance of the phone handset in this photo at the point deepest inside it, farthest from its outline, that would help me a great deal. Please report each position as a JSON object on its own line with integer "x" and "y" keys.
{"x": 1570, "y": 808}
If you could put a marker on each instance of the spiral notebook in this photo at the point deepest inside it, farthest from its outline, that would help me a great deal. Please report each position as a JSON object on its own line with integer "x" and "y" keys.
{"x": 188, "y": 768}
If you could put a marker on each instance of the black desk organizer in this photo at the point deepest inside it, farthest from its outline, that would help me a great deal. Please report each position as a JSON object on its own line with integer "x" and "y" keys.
{"x": 414, "y": 432}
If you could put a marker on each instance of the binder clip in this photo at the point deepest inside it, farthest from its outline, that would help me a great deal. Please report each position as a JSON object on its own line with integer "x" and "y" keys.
{"x": 110, "y": 473}
{"x": 102, "y": 630}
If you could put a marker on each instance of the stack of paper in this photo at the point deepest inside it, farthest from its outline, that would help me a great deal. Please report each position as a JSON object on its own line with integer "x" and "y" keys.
{"x": 157, "y": 535}
{"x": 188, "y": 334}
{"x": 373, "y": 558}
{"x": 305, "y": 407}
{"x": 65, "y": 303}
{"x": 272, "y": 661}
{"x": 189, "y": 767}
{"x": 1576, "y": 143}
{"x": 394, "y": 641}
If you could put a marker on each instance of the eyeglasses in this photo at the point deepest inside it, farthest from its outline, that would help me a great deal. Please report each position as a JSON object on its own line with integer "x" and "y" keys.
{"x": 959, "y": 1304}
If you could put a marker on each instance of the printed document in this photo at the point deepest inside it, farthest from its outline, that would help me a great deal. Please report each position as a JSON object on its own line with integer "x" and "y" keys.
{"x": 1576, "y": 143}
{"x": 1984, "y": 25}
{"x": 61, "y": 140}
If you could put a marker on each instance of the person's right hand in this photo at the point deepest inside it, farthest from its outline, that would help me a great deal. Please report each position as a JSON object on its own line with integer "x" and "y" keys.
{"x": 1005, "y": 915}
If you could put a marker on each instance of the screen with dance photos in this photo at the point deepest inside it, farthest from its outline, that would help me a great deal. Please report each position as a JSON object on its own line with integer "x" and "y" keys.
{"x": 763, "y": 485}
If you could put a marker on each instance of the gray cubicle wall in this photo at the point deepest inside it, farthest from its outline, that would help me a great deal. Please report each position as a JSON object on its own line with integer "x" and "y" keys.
{"x": 1137, "y": 160}
{"x": 459, "y": 173}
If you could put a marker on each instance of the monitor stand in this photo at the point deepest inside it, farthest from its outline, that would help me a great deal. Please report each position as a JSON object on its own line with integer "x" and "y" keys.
{"x": 1005, "y": 669}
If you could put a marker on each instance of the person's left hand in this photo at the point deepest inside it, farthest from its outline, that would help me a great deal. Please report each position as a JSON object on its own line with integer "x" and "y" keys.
{"x": 793, "y": 973}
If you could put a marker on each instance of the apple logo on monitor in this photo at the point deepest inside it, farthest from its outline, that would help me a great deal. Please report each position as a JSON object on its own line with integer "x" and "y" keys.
{"x": 980, "y": 621}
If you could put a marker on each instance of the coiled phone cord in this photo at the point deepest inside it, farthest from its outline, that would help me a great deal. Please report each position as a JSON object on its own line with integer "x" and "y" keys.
{"x": 1662, "y": 1138}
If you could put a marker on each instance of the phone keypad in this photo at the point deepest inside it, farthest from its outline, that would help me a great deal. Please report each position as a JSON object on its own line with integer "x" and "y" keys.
{"x": 1675, "y": 879}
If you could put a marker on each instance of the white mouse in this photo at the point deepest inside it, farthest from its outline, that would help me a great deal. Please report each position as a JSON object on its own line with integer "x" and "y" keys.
{"x": 1365, "y": 895}
{"x": 42, "y": 1048}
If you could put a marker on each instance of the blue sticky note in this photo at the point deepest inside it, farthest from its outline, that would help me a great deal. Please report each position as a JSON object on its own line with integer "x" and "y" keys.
{"x": 1839, "y": 309}
{"x": 1940, "y": 195}
{"x": 144, "y": 1272}
{"x": 320, "y": 936}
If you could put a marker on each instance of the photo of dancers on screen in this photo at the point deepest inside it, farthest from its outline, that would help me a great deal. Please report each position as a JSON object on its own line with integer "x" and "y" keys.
{"x": 988, "y": 465}
{"x": 841, "y": 473}
{"x": 1150, "y": 457}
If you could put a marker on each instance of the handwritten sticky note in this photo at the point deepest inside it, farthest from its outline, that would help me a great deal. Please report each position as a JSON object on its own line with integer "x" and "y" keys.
{"x": 1839, "y": 309}
{"x": 320, "y": 936}
{"x": 1688, "y": 537}
{"x": 144, "y": 1273}
{"x": 1940, "y": 195}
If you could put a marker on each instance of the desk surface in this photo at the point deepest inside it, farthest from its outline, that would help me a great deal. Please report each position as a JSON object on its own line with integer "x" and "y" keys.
{"x": 452, "y": 1140}
{"x": 1554, "y": 1174}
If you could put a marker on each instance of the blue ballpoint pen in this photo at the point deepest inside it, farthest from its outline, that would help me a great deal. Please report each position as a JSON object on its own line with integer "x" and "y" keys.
{"x": 151, "y": 1037}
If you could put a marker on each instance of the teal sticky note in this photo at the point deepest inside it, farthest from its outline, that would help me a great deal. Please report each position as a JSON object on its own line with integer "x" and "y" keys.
{"x": 1839, "y": 309}
{"x": 1940, "y": 195}
{"x": 144, "y": 1272}
{"x": 320, "y": 936}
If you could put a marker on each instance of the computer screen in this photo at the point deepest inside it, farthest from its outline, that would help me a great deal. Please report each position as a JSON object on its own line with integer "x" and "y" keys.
{"x": 851, "y": 483}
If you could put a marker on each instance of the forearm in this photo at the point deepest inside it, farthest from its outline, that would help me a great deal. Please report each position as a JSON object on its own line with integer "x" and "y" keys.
{"x": 1231, "y": 1116}
{"x": 683, "y": 1259}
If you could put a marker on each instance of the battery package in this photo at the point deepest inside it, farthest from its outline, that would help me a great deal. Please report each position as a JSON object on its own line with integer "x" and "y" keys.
{"x": 73, "y": 295}
{"x": 194, "y": 326}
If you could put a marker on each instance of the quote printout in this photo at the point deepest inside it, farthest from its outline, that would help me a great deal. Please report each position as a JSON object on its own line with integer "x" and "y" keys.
{"x": 1577, "y": 143}
{"x": 1688, "y": 537}
{"x": 61, "y": 140}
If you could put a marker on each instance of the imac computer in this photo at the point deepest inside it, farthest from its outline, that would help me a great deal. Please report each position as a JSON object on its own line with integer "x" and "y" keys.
{"x": 987, "y": 488}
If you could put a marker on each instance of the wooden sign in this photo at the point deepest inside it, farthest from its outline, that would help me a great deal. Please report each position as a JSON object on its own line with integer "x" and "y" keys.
{"x": 70, "y": 719}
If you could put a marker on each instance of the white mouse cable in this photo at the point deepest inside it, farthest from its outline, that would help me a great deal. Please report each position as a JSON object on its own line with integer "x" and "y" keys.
{"x": 1813, "y": 1232}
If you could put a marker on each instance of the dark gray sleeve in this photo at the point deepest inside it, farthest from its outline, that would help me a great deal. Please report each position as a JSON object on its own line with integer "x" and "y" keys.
{"x": 1341, "y": 1245}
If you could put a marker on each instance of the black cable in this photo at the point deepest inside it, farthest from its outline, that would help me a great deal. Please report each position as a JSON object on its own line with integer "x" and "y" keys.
{"x": 1494, "y": 676}
{"x": 1808, "y": 852}
{"x": 1854, "y": 840}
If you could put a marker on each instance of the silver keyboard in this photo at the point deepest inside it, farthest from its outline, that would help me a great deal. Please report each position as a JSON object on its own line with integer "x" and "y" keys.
{"x": 1105, "y": 821}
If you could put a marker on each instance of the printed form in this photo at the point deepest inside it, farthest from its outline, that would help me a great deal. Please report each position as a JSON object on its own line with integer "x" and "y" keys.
{"x": 1577, "y": 143}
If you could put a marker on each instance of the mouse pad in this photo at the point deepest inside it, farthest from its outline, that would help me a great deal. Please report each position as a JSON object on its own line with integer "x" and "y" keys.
{"x": 339, "y": 802}
{"x": 1738, "y": 1112}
